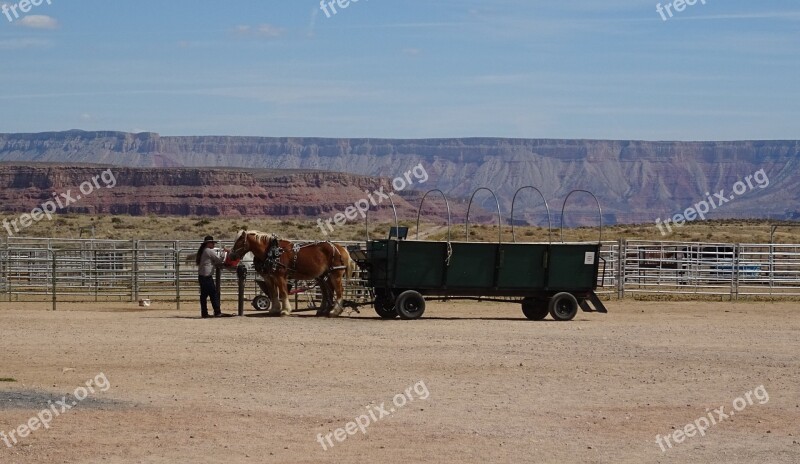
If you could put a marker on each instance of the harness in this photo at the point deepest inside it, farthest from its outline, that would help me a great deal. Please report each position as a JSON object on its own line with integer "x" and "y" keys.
{"x": 273, "y": 262}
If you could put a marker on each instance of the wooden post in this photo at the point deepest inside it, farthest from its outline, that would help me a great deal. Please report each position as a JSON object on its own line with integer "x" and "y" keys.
{"x": 241, "y": 275}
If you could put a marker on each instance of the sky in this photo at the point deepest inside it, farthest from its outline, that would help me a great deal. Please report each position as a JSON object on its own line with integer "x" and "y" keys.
{"x": 578, "y": 69}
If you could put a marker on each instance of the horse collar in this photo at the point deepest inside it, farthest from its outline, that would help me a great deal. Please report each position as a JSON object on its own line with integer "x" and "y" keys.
{"x": 274, "y": 252}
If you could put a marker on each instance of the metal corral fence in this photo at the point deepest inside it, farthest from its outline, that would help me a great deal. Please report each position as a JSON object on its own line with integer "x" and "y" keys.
{"x": 111, "y": 270}
{"x": 723, "y": 269}
{"x": 62, "y": 270}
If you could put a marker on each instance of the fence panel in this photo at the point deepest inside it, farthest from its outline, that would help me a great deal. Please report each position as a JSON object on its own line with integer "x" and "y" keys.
{"x": 98, "y": 274}
{"x": 769, "y": 270}
{"x": 28, "y": 274}
{"x": 679, "y": 268}
{"x": 608, "y": 277}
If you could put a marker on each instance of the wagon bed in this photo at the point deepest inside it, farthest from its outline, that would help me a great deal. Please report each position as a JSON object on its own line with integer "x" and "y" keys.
{"x": 550, "y": 278}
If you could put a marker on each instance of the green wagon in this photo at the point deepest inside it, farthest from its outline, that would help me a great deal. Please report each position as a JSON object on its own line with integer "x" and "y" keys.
{"x": 546, "y": 278}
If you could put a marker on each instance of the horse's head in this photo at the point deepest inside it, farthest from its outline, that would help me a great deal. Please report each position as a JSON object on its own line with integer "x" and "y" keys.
{"x": 241, "y": 246}
{"x": 249, "y": 241}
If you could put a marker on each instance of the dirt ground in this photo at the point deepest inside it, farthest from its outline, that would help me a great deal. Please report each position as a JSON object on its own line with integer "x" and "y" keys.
{"x": 485, "y": 384}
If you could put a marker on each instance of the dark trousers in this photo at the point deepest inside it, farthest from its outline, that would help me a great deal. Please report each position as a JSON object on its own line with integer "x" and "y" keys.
{"x": 208, "y": 289}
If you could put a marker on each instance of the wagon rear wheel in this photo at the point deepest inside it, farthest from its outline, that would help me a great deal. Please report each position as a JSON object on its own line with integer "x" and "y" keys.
{"x": 534, "y": 309}
{"x": 410, "y": 305}
{"x": 563, "y": 306}
{"x": 385, "y": 308}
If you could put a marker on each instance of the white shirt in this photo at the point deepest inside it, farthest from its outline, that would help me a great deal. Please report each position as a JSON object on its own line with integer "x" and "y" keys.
{"x": 209, "y": 259}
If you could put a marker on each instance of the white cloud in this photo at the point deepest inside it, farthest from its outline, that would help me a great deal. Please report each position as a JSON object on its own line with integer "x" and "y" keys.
{"x": 265, "y": 31}
{"x": 38, "y": 22}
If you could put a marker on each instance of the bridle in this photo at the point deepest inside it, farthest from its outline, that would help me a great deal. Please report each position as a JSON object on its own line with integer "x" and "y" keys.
{"x": 241, "y": 249}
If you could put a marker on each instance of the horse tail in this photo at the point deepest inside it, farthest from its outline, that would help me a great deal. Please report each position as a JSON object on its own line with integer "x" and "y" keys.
{"x": 347, "y": 262}
{"x": 351, "y": 269}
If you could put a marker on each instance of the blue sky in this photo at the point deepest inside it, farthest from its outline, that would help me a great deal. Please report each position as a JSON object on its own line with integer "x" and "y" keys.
{"x": 608, "y": 69}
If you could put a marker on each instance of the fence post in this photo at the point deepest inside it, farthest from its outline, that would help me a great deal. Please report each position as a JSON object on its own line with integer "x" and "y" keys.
{"x": 241, "y": 276}
{"x": 7, "y": 271}
{"x": 218, "y": 281}
{"x": 96, "y": 267}
{"x": 53, "y": 253}
{"x": 177, "y": 276}
{"x": 771, "y": 266}
{"x": 135, "y": 273}
{"x": 621, "y": 252}
{"x": 735, "y": 273}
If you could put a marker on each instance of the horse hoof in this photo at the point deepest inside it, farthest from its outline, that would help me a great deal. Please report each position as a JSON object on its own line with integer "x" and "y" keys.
{"x": 285, "y": 313}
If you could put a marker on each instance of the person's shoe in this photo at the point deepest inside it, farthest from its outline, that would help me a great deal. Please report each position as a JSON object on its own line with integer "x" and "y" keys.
{"x": 205, "y": 316}
{"x": 220, "y": 315}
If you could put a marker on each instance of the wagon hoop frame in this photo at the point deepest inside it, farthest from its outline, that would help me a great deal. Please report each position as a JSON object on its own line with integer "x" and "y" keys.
{"x": 396, "y": 222}
{"x": 599, "y": 210}
{"x": 499, "y": 215}
{"x": 547, "y": 207}
{"x": 446, "y": 202}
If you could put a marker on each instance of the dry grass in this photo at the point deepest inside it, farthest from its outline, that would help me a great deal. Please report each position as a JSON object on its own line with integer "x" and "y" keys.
{"x": 189, "y": 228}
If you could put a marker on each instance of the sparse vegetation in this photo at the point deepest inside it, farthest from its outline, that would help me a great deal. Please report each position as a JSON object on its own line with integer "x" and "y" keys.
{"x": 170, "y": 228}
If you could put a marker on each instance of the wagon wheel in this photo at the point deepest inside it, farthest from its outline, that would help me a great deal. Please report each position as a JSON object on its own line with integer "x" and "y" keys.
{"x": 384, "y": 303}
{"x": 385, "y": 308}
{"x": 261, "y": 303}
{"x": 534, "y": 308}
{"x": 410, "y": 305}
{"x": 563, "y": 306}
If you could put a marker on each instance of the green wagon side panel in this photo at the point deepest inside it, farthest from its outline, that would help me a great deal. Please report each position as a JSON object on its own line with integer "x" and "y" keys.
{"x": 378, "y": 253}
{"x": 472, "y": 265}
{"x": 568, "y": 268}
{"x": 418, "y": 264}
{"x": 522, "y": 266}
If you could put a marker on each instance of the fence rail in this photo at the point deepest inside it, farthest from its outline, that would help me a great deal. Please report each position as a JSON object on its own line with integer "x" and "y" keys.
{"x": 114, "y": 270}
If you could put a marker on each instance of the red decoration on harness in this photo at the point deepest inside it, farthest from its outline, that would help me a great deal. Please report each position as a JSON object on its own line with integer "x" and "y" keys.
{"x": 231, "y": 262}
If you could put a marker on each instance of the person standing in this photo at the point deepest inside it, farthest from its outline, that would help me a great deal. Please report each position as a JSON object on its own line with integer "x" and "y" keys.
{"x": 207, "y": 261}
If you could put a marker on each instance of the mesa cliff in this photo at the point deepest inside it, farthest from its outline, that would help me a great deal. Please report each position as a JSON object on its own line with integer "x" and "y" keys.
{"x": 187, "y": 191}
{"x": 636, "y": 181}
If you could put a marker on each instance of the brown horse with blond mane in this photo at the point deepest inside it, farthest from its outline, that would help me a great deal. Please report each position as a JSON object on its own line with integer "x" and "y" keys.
{"x": 280, "y": 260}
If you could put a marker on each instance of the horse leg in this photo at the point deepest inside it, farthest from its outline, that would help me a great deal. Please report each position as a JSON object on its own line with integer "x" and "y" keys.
{"x": 286, "y": 306}
{"x": 324, "y": 306}
{"x": 272, "y": 294}
{"x": 336, "y": 284}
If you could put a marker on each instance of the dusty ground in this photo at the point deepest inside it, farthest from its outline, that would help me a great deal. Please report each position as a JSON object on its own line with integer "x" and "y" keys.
{"x": 501, "y": 389}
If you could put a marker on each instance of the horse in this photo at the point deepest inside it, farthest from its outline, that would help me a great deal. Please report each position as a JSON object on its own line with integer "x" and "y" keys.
{"x": 280, "y": 260}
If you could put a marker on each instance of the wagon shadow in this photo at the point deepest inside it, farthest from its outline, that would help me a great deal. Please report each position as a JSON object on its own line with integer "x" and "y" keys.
{"x": 475, "y": 318}
{"x": 466, "y": 318}
{"x": 264, "y": 315}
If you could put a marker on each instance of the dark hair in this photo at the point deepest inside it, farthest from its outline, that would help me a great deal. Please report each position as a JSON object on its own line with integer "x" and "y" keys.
{"x": 200, "y": 253}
